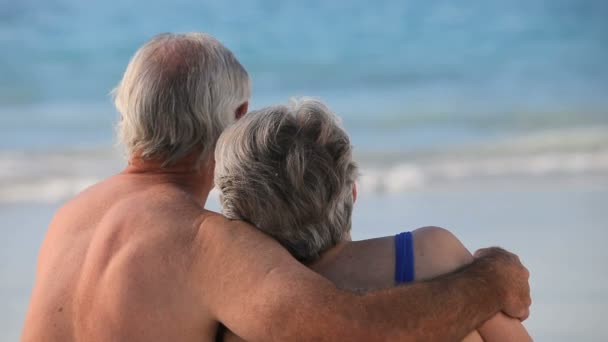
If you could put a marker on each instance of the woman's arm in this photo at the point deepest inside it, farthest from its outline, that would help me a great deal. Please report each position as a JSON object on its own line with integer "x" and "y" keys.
{"x": 437, "y": 251}
{"x": 253, "y": 286}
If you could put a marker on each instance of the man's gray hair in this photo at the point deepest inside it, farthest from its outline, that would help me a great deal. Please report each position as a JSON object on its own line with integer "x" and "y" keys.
{"x": 177, "y": 95}
{"x": 289, "y": 171}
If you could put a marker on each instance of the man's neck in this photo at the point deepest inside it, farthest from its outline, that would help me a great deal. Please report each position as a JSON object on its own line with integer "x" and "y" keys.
{"x": 184, "y": 174}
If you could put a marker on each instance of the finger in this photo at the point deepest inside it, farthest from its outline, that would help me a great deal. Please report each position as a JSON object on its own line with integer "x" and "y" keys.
{"x": 528, "y": 298}
{"x": 481, "y": 252}
{"x": 520, "y": 315}
{"x": 514, "y": 314}
{"x": 525, "y": 314}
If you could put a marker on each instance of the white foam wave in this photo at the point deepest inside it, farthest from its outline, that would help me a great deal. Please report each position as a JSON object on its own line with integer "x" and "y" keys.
{"x": 56, "y": 175}
{"x": 405, "y": 176}
{"x": 49, "y": 190}
{"x": 49, "y": 176}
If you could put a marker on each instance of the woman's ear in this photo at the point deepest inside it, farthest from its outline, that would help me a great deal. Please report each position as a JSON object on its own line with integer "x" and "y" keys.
{"x": 241, "y": 110}
{"x": 354, "y": 192}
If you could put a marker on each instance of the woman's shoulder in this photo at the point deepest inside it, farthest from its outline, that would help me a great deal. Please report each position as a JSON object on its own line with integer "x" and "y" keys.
{"x": 437, "y": 251}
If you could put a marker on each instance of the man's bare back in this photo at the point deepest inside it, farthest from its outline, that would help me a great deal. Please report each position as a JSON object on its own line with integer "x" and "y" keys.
{"x": 137, "y": 258}
{"x": 116, "y": 265}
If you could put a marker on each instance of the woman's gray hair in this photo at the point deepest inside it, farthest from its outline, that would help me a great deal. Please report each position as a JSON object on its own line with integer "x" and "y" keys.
{"x": 177, "y": 95}
{"x": 289, "y": 171}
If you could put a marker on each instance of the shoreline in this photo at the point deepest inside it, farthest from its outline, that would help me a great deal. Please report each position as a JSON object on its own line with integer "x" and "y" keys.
{"x": 558, "y": 233}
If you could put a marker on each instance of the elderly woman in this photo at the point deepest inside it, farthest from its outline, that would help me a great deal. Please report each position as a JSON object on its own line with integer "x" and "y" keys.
{"x": 289, "y": 171}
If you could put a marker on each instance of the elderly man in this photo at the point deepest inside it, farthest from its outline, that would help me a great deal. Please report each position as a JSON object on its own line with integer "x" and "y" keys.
{"x": 136, "y": 257}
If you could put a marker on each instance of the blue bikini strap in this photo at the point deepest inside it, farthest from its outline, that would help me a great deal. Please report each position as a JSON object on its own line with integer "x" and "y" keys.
{"x": 404, "y": 258}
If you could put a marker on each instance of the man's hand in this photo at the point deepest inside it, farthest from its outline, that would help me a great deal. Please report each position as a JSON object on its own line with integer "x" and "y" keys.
{"x": 512, "y": 278}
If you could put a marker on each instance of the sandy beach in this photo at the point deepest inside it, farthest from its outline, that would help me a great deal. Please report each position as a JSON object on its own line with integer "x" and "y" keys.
{"x": 558, "y": 231}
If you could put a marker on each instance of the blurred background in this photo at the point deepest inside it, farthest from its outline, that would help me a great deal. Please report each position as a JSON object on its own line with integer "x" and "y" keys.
{"x": 489, "y": 118}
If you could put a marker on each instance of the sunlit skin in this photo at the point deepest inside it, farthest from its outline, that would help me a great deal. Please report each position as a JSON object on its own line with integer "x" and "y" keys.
{"x": 136, "y": 257}
{"x": 370, "y": 264}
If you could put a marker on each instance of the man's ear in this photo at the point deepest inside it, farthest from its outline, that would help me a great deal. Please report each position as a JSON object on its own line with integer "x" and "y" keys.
{"x": 241, "y": 110}
{"x": 354, "y": 192}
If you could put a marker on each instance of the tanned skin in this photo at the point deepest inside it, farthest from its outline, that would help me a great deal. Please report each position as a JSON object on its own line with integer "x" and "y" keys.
{"x": 370, "y": 264}
{"x": 137, "y": 258}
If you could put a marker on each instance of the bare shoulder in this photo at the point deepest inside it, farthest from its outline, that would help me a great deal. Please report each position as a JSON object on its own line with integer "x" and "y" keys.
{"x": 237, "y": 264}
{"x": 92, "y": 202}
{"x": 438, "y": 251}
{"x": 224, "y": 241}
{"x": 215, "y": 227}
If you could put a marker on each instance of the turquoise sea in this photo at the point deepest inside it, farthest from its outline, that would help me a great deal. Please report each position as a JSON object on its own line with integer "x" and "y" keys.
{"x": 487, "y": 117}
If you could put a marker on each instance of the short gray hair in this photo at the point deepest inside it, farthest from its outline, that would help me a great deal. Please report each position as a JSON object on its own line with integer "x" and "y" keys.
{"x": 289, "y": 171}
{"x": 177, "y": 95}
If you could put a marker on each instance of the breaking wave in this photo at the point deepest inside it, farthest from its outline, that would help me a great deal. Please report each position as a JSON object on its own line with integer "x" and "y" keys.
{"x": 51, "y": 176}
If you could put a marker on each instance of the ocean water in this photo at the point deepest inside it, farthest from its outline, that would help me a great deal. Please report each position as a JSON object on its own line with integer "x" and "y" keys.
{"x": 522, "y": 81}
{"x": 487, "y": 117}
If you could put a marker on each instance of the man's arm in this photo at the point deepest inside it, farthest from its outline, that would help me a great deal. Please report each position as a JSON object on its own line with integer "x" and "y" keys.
{"x": 256, "y": 288}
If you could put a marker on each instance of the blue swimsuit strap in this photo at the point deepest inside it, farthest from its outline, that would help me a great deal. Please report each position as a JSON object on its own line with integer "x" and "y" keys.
{"x": 404, "y": 258}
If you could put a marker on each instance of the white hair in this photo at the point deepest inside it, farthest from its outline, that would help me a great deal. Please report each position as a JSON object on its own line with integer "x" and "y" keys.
{"x": 178, "y": 93}
{"x": 289, "y": 171}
